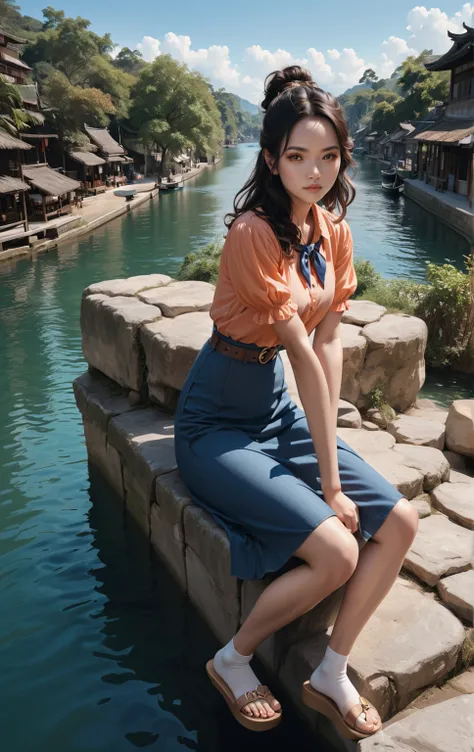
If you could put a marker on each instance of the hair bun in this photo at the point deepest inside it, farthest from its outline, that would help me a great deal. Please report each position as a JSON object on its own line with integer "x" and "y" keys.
{"x": 287, "y": 78}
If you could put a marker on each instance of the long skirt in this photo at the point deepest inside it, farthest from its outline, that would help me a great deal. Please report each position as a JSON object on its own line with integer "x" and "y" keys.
{"x": 244, "y": 450}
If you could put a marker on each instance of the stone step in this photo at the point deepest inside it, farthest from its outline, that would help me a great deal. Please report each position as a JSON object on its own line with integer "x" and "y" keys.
{"x": 457, "y": 593}
{"x": 440, "y": 548}
{"x": 410, "y": 642}
{"x": 456, "y": 500}
{"x": 444, "y": 727}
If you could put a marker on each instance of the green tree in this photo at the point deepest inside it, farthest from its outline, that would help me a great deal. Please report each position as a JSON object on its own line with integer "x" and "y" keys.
{"x": 129, "y": 61}
{"x": 13, "y": 117}
{"x": 173, "y": 109}
{"x": 369, "y": 77}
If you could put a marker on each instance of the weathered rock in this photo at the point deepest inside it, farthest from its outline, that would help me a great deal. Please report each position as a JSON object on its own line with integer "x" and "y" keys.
{"x": 428, "y": 460}
{"x": 397, "y": 653}
{"x": 368, "y": 426}
{"x": 110, "y": 336}
{"x": 171, "y": 347}
{"x": 129, "y": 287}
{"x": 395, "y": 359}
{"x": 460, "y": 427}
{"x": 362, "y": 312}
{"x": 444, "y": 727}
{"x": 354, "y": 347}
{"x": 457, "y": 461}
{"x": 167, "y": 524}
{"x": 348, "y": 416}
{"x": 429, "y": 410}
{"x": 180, "y": 297}
{"x": 458, "y": 477}
{"x": 457, "y": 592}
{"x": 103, "y": 455}
{"x": 366, "y": 442}
{"x": 418, "y": 431}
{"x": 145, "y": 439}
{"x": 134, "y": 398}
{"x": 408, "y": 480}
{"x": 464, "y": 682}
{"x": 211, "y": 588}
{"x": 422, "y": 505}
{"x": 99, "y": 398}
{"x": 457, "y": 501}
{"x": 440, "y": 548}
{"x": 374, "y": 415}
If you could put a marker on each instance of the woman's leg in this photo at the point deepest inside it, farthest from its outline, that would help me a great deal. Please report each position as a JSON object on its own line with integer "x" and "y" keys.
{"x": 330, "y": 554}
{"x": 379, "y": 564}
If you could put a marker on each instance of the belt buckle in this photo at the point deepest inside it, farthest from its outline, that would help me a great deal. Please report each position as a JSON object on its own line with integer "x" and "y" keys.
{"x": 267, "y": 354}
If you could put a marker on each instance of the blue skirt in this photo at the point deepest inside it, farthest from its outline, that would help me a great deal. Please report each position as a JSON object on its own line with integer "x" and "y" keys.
{"x": 244, "y": 450}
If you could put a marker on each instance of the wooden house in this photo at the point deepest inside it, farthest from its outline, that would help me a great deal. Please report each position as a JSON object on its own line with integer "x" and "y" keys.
{"x": 446, "y": 146}
{"x": 113, "y": 154}
{"x": 11, "y": 67}
{"x": 13, "y": 212}
{"x": 51, "y": 193}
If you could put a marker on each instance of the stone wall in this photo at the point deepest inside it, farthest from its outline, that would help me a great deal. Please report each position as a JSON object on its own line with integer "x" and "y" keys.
{"x": 140, "y": 337}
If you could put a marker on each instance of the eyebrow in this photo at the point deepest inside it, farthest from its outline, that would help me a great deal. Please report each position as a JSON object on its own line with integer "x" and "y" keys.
{"x": 302, "y": 148}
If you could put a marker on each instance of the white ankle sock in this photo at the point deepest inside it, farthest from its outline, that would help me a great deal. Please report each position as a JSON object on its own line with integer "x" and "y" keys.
{"x": 330, "y": 678}
{"x": 235, "y": 669}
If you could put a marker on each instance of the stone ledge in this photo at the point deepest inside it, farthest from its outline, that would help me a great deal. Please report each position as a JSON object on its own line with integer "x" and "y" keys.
{"x": 440, "y": 548}
{"x": 98, "y": 398}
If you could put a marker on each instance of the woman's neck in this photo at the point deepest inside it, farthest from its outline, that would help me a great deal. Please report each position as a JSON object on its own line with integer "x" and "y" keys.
{"x": 302, "y": 216}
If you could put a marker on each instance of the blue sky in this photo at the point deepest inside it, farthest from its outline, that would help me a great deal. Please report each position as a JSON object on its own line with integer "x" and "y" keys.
{"x": 237, "y": 44}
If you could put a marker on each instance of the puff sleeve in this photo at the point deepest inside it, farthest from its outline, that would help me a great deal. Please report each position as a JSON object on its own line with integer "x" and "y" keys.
{"x": 344, "y": 272}
{"x": 254, "y": 263}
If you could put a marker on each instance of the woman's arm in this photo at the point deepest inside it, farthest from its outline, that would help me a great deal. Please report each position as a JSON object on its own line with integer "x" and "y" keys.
{"x": 315, "y": 395}
{"x": 328, "y": 347}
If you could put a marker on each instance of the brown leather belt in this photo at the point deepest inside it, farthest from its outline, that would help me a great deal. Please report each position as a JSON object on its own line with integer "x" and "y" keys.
{"x": 247, "y": 355}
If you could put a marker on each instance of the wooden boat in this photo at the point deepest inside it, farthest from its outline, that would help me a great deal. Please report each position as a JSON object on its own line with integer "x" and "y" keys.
{"x": 393, "y": 189}
{"x": 388, "y": 176}
{"x": 170, "y": 185}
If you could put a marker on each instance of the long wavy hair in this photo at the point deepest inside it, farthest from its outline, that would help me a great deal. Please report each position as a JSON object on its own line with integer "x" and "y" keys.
{"x": 290, "y": 95}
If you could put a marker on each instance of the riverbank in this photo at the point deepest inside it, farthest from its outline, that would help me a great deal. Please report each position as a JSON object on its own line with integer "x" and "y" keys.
{"x": 94, "y": 212}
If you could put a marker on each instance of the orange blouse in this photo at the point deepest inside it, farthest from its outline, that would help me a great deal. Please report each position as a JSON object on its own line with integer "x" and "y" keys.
{"x": 258, "y": 284}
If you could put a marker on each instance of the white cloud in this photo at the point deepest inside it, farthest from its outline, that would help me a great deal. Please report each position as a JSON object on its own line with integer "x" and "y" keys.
{"x": 334, "y": 69}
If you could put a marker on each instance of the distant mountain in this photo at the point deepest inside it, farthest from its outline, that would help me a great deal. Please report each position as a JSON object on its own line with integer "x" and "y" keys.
{"x": 353, "y": 89}
{"x": 247, "y": 106}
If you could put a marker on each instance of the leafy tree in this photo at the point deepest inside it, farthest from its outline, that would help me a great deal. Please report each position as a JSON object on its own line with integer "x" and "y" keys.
{"x": 129, "y": 61}
{"x": 13, "y": 117}
{"x": 72, "y": 106}
{"x": 173, "y": 109}
{"x": 369, "y": 77}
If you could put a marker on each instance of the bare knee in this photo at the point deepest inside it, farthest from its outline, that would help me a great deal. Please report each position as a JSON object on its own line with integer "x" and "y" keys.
{"x": 401, "y": 524}
{"x": 331, "y": 549}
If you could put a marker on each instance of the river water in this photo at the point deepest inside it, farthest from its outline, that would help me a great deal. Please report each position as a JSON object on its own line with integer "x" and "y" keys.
{"x": 98, "y": 651}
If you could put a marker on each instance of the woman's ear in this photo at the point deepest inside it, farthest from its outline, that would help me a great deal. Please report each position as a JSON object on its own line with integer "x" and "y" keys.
{"x": 270, "y": 162}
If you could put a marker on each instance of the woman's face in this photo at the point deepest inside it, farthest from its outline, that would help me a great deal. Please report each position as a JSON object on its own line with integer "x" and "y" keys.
{"x": 310, "y": 163}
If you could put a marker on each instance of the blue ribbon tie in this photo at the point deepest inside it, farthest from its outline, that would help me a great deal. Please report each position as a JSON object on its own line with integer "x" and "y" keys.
{"x": 311, "y": 255}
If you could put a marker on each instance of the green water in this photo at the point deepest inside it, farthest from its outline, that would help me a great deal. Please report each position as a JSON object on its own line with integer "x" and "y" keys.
{"x": 98, "y": 650}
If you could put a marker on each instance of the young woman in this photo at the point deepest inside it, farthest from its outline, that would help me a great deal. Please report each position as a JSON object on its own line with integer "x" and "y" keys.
{"x": 280, "y": 481}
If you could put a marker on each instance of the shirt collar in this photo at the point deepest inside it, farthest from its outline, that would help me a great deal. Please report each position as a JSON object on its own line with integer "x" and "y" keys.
{"x": 320, "y": 222}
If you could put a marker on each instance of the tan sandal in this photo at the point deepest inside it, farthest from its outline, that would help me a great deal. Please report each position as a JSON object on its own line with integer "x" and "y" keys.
{"x": 323, "y": 704}
{"x": 262, "y": 692}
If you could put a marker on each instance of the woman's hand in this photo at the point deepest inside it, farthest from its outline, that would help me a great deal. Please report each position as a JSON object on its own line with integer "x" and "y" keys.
{"x": 345, "y": 509}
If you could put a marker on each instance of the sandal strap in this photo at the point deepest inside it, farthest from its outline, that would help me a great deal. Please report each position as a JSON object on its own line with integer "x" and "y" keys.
{"x": 365, "y": 707}
{"x": 262, "y": 692}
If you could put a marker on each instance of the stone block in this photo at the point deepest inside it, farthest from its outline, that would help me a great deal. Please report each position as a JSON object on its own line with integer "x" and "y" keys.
{"x": 408, "y": 480}
{"x": 211, "y": 588}
{"x": 354, "y": 348}
{"x": 363, "y": 312}
{"x": 444, "y": 727}
{"x": 167, "y": 523}
{"x": 145, "y": 440}
{"x": 366, "y": 442}
{"x": 460, "y": 427}
{"x": 457, "y": 461}
{"x": 128, "y": 287}
{"x": 104, "y": 456}
{"x": 180, "y": 297}
{"x": 98, "y": 398}
{"x": 411, "y": 640}
{"x": 367, "y": 425}
{"x": 137, "y": 505}
{"x": 171, "y": 346}
{"x": 440, "y": 548}
{"x": 428, "y": 461}
{"x": 348, "y": 415}
{"x": 457, "y": 501}
{"x": 410, "y": 430}
{"x": 422, "y": 505}
{"x": 395, "y": 359}
{"x": 457, "y": 592}
{"x": 429, "y": 410}
{"x": 110, "y": 336}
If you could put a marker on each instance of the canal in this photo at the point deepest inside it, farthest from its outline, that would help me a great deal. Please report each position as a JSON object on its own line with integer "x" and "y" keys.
{"x": 100, "y": 652}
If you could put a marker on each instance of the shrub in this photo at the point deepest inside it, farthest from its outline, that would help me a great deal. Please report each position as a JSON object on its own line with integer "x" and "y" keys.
{"x": 202, "y": 265}
{"x": 367, "y": 277}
